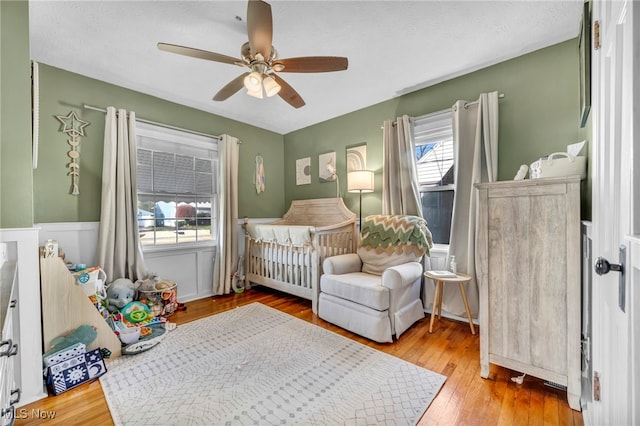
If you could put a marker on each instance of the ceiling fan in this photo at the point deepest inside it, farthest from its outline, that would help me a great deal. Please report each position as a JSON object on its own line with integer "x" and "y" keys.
{"x": 262, "y": 59}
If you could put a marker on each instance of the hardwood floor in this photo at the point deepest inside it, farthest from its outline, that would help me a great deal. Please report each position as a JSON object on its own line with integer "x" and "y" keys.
{"x": 465, "y": 398}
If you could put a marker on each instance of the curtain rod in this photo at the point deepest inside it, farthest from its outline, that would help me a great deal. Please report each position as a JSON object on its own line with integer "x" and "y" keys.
{"x": 155, "y": 123}
{"x": 467, "y": 104}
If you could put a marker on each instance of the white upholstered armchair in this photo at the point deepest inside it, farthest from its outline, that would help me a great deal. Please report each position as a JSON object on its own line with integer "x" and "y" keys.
{"x": 376, "y": 292}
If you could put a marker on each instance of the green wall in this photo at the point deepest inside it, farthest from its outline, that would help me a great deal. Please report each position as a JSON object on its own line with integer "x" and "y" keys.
{"x": 62, "y": 91}
{"x": 16, "y": 182}
{"x": 538, "y": 115}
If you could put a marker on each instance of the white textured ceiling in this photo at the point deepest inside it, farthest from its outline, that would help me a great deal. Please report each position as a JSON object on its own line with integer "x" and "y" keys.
{"x": 394, "y": 47}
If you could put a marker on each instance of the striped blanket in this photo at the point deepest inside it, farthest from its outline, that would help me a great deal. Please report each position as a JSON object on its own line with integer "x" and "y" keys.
{"x": 400, "y": 234}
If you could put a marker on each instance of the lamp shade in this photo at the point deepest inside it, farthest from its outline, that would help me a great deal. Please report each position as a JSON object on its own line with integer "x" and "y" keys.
{"x": 255, "y": 93}
{"x": 253, "y": 81}
{"x": 271, "y": 88}
{"x": 360, "y": 181}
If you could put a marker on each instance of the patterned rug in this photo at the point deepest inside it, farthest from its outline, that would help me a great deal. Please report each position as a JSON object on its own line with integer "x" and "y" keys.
{"x": 257, "y": 365}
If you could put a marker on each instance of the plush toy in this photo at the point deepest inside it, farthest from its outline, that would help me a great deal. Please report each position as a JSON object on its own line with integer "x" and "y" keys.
{"x": 146, "y": 285}
{"x": 83, "y": 334}
{"x": 119, "y": 293}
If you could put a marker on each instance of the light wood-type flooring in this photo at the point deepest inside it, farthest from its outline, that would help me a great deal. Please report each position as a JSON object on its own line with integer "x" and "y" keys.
{"x": 465, "y": 398}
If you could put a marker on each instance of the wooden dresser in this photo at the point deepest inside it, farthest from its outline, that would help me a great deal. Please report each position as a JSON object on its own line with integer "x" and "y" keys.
{"x": 528, "y": 270}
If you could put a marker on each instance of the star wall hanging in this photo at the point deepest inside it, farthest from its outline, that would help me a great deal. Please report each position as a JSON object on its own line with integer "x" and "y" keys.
{"x": 73, "y": 127}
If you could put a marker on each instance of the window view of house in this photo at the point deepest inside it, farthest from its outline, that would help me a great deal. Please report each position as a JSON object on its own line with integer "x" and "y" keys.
{"x": 176, "y": 186}
{"x": 433, "y": 135}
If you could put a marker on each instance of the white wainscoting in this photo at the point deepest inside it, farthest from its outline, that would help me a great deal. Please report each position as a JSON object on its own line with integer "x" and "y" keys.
{"x": 191, "y": 267}
{"x": 77, "y": 240}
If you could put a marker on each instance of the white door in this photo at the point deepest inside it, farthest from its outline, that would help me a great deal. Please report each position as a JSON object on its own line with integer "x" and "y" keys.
{"x": 616, "y": 210}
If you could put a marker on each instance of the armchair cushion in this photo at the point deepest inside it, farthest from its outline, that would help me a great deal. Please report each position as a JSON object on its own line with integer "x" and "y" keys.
{"x": 342, "y": 264}
{"x": 364, "y": 288}
{"x": 387, "y": 241}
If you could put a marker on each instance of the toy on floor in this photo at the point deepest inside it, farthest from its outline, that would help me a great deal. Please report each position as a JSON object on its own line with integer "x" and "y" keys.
{"x": 83, "y": 334}
{"x": 119, "y": 293}
{"x": 160, "y": 295}
{"x": 147, "y": 342}
{"x": 237, "y": 278}
{"x": 136, "y": 312}
{"x": 130, "y": 335}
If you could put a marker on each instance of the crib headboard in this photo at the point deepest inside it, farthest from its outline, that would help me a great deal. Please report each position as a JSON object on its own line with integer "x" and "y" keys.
{"x": 318, "y": 212}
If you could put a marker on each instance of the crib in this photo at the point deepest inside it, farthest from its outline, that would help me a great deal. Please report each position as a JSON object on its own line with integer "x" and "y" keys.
{"x": 287, "y": 254}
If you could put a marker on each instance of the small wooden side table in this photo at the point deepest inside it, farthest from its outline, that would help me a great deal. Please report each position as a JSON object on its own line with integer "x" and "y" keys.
{"x": 439, "y": 279}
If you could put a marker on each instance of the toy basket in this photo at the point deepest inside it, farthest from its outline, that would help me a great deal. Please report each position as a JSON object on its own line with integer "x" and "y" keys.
{"x": 162, "y": 301}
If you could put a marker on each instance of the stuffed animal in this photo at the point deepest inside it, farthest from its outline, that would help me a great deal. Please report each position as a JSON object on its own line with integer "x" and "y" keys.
{"x": 119, "y": 293}
{"x": 83, "y": 334}
{"x": 148, "y": 284}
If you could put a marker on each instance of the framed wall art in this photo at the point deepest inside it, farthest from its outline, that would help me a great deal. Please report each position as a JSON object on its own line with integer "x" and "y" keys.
{"x": 303, "y": 171}
{"x": 584, "y": 53}
{"x": 327, "y": 167}
{"x": 357, "y": 157}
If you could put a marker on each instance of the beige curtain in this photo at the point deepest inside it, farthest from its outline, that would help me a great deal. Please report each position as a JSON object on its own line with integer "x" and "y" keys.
{"x": 400, "y": 191}
{"x": 227, "y": 250}
{"x": 119, "y": 249}
{"x": 475, "y": 141}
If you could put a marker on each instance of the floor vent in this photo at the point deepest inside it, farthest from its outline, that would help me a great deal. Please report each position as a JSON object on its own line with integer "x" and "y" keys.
{"x": 555, "y": 385}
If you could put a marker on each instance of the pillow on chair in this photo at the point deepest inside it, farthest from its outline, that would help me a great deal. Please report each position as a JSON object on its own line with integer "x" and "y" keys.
{"x": 391, "y": 240}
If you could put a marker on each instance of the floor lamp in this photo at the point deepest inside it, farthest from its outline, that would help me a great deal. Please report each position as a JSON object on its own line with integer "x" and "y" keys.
{"x": 360, "y": 181}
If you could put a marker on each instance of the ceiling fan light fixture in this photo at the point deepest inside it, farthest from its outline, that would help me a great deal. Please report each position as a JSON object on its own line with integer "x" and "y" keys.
{"x": 255, "y": 93}
{"x": 261, "y": 58}
{"x": 271, "y": 88}
{"x": 253, "y": 81}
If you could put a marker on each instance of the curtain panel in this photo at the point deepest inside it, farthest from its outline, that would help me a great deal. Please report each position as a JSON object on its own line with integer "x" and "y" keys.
{"x": 119, "y": 249}
{"x": 400, "y": 189}
{"x": 226, "y": 258}
{"x": 475, "y": 141}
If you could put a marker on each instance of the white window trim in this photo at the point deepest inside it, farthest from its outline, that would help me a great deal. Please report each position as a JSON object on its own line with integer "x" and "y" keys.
{"x": 439, "y": 124}
{"x": 178, "y": 136}
{"x": 190, "y": 246}
{"x": 189, "y": 139}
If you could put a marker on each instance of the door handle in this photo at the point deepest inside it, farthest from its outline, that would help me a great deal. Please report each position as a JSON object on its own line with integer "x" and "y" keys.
{"x": 602, "y": 266}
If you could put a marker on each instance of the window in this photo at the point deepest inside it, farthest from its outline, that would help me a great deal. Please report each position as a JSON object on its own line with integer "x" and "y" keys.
{"x": 433, "y": 135}
{"x": 177, "y": 180}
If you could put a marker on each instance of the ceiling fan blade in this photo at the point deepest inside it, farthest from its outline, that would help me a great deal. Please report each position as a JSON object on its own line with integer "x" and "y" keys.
{"x": 259, "y": 27}
{"x": 197, "y": 53}
{"x": 288, "y": 93}
{"x": 313, "y": 64}
{"x": 231, "y": 88}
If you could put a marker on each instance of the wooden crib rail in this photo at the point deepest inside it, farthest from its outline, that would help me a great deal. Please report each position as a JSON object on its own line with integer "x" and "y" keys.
{"x": 296, "y": 269}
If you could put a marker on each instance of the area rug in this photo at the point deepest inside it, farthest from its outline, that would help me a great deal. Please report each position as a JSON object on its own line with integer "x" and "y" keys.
{"x": 257, "y": 365}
